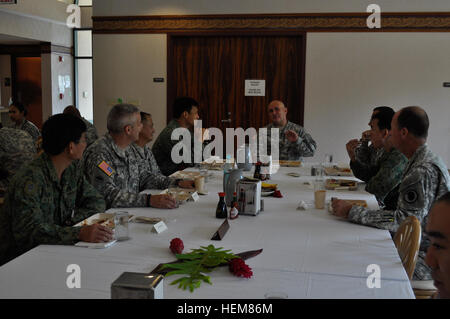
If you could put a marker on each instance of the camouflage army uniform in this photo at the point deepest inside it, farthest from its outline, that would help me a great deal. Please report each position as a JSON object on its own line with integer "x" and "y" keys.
{"x": 127, "y": 177}
{"x": 367, "y": 154}
{"x": 91, "y": 132}
{"x": 29, "y": 127}
{"x": 16, "y": 148}
{"x": 162, "y": 150}
{"x": 304, "y": 147}
{"x": 40, "y": 209}
{"x": 148, "y": 162}
{"x": 424, "y": 180}
{"x": 365, "y": 165}
{"x": 387, "y": 177}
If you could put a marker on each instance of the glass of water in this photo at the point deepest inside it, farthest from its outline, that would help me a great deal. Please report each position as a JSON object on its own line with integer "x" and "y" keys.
{"x": 204, "y": 171}
{"x": 121, "y": 231}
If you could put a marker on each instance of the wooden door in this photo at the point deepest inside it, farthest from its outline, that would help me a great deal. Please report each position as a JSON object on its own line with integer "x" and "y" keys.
{"x": 213, "y": 68}
{"x": 28, "y": 87}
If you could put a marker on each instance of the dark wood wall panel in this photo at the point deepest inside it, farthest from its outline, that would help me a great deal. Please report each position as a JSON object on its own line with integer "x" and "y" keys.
{"x": 213, "y": 70}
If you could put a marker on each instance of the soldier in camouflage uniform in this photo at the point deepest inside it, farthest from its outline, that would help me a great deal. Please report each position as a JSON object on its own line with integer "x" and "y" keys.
{"x": 294, "y": 142}
{"x": 385, "y": 176}
{"x": 144, "y": 154}
{"x": 16, "y": 149}
{"x": 91, "y": 132}
{"x": 424, "y": 180}
{"x": 49, "y": 195}
{"x": 111, "y": 167}
{"x": 185, "y": 113}
{"x": 17, "y": 114}
{"x": 364, "y": 157}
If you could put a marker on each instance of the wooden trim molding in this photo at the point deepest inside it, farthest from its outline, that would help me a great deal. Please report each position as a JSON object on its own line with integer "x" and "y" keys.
{"x": 313, "y": 22}
{"x": 35, "y": 49}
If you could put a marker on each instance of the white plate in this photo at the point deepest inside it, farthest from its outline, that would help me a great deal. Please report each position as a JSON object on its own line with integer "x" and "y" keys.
{"x": 108, "y": 220}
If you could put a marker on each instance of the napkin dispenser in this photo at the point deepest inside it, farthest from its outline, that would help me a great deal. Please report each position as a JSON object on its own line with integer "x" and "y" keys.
{"x": 131, "y": 285}
{"x": 249, "y": 197}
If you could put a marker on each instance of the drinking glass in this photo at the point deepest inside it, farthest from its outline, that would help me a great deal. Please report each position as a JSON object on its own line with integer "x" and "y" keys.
{"x": 121, "y": 226}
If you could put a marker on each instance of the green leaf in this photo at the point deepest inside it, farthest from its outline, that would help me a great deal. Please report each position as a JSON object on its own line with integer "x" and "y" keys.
{"x": 195, "y": 264}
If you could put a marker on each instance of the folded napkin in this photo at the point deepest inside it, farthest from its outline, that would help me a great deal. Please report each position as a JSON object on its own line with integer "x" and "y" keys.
{"x": 95, "y": 245}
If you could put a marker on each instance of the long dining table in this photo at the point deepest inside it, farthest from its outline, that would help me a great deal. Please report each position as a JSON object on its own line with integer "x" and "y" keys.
{"x": 306, "y": 253}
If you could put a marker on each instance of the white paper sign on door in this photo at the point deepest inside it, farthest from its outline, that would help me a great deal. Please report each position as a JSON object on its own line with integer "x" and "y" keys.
{"x": 255, "y": 87}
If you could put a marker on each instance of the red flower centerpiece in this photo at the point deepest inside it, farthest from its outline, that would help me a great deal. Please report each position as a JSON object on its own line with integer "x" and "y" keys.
{"x": 176, "y": 246}
{"x": 239, "y": 268}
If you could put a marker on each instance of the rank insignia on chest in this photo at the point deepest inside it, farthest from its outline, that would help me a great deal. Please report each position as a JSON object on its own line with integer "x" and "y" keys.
{"x": 106, "y": 168}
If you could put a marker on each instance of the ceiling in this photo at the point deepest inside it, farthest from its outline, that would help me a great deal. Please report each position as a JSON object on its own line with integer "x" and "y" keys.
{"x": 11, "y": 40}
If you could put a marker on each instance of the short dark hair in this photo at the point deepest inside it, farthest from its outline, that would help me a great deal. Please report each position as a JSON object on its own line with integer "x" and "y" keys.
{"x": 182, "y": 104}
{"x": 145, "y": 116}
{"x": 59, "y": 130}
{"x": 21, "y": 107}
{"x": 415, "y": 119}
{"x": 72, "y": 110}
{"x": 379, "y": 109}
{"x": 384, "y": 116}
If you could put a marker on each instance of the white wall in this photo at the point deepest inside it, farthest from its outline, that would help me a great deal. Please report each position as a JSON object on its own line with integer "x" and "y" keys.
{"x": 52, "y": 68}
{"x": 124, "y": 67}
{"x": 161, "y": 7}
{"x": 347, "y": 74}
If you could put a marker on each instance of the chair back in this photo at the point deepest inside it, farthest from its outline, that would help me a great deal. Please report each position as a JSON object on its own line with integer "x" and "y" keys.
{"x": 407, "y": 240}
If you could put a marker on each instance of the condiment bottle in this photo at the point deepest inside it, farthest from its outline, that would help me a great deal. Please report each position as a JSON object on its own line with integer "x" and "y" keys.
{"x": 257, "y": 173}
{"x": 234, "y": 212}
{"x": 221, "y": 210}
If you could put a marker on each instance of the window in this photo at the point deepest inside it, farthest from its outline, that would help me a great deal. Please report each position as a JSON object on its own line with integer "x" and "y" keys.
{"x": 82, "y": 39}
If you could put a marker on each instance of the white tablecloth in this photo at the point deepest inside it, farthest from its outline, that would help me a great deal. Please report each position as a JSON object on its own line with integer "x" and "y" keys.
{"x": 307, "y": 254}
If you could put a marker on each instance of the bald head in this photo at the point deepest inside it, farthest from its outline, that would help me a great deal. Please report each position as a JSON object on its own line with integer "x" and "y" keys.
{"x": 277, "y": 113}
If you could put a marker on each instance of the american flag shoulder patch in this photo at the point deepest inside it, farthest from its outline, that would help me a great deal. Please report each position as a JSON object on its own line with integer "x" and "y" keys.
{"x": 106, "y": 168}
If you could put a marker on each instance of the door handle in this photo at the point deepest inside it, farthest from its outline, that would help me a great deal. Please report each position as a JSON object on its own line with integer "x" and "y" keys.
{"x": 226, "y": 121}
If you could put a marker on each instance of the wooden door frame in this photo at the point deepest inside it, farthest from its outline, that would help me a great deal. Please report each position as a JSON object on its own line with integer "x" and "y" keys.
{"x": 170, "y": 70}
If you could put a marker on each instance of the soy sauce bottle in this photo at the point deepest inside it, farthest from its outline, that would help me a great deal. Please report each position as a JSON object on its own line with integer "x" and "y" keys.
{"x": 257, "y": 173}
{"x": 221, "y": 211}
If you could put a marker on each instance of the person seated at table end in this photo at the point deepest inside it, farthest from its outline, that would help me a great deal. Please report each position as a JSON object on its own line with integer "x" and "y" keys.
{"x": 424, "y": 180}
{"x": 294, "y": 142}
{"x": 438, "y": 254}
{"x": 112, "y": 168}
{"x": 144, "y": 154}
{"x": 49, "y": 195}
